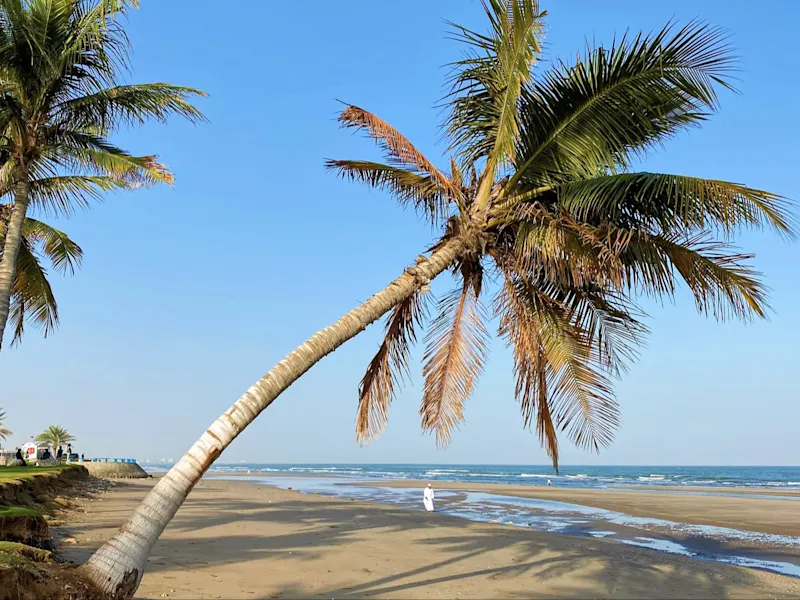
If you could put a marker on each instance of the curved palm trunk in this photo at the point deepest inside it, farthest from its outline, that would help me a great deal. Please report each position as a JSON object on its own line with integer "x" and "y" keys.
{"x": 118, "y": 565}
{"x": 11, "y": 243}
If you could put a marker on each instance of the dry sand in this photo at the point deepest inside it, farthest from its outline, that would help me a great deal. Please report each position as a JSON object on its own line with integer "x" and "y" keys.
{"x": 237, "y": 540}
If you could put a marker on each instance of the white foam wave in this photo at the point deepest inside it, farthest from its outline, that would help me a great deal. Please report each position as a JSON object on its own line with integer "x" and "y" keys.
{"x": 652, "y": 477}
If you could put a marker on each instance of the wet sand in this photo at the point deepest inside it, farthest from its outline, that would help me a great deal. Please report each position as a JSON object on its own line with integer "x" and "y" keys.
{"x": 766, "y": 515}
{"x": 232, "y": 539}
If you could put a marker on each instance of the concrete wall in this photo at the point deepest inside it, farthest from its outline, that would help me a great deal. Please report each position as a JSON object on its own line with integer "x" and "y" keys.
{"x": 108, "y": 470}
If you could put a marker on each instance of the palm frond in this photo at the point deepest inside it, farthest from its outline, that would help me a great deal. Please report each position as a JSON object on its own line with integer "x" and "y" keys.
{"x": 32, "y": 297}
{"x": 582, "y": 119}
{"x": 134, "y": 104}
{"x": 456, "y": 352}
{"x": 400, "y": 151}
{"x": 669, "y": 203}
{"x": 62, "y": 194}
{"x": 722, "y": 282}
{"x": 422, "y": 191}
{"x": 64, "y": 254}
{"x": 377, "y": 389}
{"x": 520, "y": 328}
{"x": 580, "y": 395}
{"x": 486, "y": 85}
{"x": 80, "y": 151}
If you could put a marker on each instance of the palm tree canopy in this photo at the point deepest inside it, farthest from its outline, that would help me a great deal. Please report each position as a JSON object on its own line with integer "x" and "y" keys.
{"x": 33, "y": 297}
{"x": 541, "y": 189}
{"x": 60, "y": 65}
{"x": 55, "y": 436}
{"x": 4, "y": 431}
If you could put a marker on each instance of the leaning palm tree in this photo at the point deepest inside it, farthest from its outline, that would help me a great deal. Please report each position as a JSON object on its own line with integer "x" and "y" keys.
{"x": 32, "y": 297}
{"x": 4, "y": 431}
{"x": 55, "y": 436}
{"x": 60, "y": 63}
{"x": 539, "y": 197}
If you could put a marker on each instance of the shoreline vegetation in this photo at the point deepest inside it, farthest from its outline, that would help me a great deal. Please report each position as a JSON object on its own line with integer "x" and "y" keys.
{"x": 33, "y": 501}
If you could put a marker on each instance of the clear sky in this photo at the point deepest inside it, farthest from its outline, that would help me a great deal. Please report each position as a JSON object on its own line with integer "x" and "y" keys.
{"x": 188, "y": 295}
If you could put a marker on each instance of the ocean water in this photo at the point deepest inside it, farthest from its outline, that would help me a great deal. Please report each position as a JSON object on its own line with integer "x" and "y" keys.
{"x": 568, "y": 476}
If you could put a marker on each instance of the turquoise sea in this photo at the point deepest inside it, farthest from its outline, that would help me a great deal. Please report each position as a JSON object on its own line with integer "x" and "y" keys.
{"x": 568, "y": 476}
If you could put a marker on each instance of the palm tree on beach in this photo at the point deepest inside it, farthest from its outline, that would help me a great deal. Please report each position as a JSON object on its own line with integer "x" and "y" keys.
{"x": 32, "y": 297}
{"x": 4, "y": 431}
{"x": 55, "y": 436}
{"x": 539, "y": 196}
{"x": 60, "y": 64}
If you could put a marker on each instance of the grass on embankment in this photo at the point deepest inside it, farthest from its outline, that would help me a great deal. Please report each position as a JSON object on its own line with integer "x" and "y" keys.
{"x": 12, "y": 553}
{"x": 14, "y": 473}
{"x": 18, "y": 511}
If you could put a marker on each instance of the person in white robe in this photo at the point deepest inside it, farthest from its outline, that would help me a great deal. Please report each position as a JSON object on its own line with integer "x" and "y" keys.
{"x": 427, "y": 498}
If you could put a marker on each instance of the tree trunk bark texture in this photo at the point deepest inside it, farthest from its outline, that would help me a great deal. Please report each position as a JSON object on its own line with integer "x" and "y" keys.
{"x": 11, "y": 243}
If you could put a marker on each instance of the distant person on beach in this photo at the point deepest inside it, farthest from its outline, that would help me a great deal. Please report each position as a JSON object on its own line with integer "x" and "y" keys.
{"x": 19, "y": 456}
{"x": 427, "y": 498}
{"x": 549, "y": 482}
{"x": 59, "y": 453}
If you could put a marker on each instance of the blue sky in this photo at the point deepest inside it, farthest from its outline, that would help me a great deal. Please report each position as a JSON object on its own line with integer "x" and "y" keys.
{"x": 189, "y": 294}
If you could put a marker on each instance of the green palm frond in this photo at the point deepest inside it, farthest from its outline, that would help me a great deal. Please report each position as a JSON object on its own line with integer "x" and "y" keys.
{"x": 32, "y": 297}
{"x": 105, "y": 159}
{"x": 668, "y": 203}
{"x": 134, "y": 104}
{"x": 62, "y": 194}
{"x": 456, "y": 352}
{"x": 592, "y": 116}
{"x": 486, "y": 85}
{"x": 722, "y": 282}
{"x": 64, "y": 254}
{"x": 377, "y": 388}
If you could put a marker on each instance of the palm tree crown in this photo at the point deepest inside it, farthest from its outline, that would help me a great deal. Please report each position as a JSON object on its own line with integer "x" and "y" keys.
{"x": 60, "y": 66}
{"x": 55, "y": 436}
{"x": 541, "y": 194}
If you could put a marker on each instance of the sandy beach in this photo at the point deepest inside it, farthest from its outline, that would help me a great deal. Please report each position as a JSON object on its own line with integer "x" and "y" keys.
{"x": 233, "y": 539}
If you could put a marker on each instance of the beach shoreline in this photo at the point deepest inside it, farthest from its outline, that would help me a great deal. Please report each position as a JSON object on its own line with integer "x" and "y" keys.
{"x": 234, "y": 539}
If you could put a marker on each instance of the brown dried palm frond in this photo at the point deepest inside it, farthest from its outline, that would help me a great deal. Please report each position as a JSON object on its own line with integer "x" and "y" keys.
{"x": 520, "y": 329}
{"x": 377, "y": 388}
{"x": 397, "y": 147}
{"x": 456, "y": 352}
{"x": 579, "y": 394}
